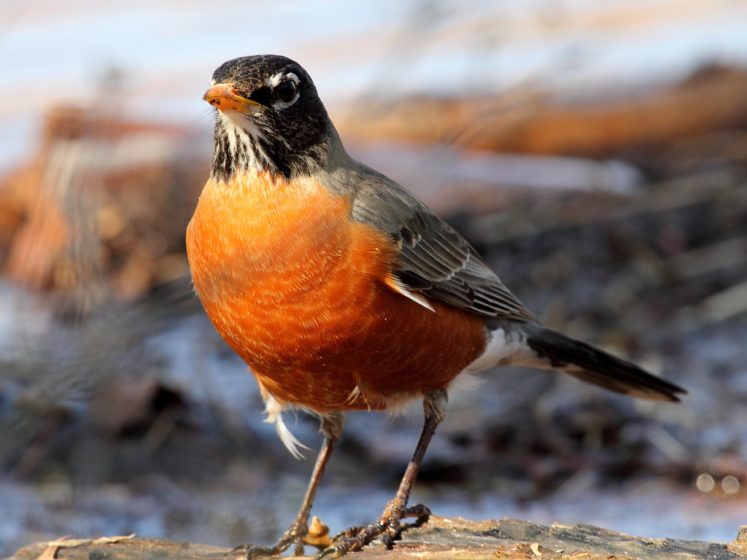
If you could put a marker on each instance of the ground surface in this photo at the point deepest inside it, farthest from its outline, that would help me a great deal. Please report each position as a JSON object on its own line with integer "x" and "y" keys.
{"x": 440, "y": 539}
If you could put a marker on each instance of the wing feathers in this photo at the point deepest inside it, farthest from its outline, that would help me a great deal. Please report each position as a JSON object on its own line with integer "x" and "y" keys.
{"x": 433, "y": 258}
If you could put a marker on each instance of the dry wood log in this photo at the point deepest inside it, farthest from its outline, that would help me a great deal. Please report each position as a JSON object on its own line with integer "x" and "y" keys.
{"x": 440, "y": 539}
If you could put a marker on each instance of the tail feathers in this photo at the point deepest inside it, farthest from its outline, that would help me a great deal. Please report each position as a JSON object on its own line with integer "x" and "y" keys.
{"x": 596, "y": 366}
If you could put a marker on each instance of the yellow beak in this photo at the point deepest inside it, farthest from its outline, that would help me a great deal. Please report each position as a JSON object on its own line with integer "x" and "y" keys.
{"x": 224, "y": 97}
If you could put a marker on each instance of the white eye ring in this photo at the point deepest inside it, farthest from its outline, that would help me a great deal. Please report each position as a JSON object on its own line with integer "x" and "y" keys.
{"x": 275, "y": 80}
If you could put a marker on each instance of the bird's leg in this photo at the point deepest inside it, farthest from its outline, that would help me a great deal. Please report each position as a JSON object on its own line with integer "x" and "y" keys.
{"x": 389, "y": 526}
{"x": 331, "y": 428}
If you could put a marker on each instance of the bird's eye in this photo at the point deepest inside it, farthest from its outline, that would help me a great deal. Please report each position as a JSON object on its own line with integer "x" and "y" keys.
{"x": 286, "y": 91}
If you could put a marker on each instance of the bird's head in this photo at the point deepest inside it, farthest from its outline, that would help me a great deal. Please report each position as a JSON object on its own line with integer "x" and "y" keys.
{"x": 269, "y": 117}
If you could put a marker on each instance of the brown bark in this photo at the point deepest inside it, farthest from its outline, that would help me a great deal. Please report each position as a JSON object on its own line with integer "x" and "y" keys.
{"x": 440, "y": 539}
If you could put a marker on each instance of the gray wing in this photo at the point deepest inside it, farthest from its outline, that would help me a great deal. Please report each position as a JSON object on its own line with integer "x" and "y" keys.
{"x": 433, "y": 258}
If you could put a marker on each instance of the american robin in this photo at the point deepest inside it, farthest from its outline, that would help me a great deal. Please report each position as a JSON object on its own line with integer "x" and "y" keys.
{"x": 342, "y": 291}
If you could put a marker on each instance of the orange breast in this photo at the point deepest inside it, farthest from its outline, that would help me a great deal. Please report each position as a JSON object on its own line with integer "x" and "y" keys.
{"x": 297, "y": 290}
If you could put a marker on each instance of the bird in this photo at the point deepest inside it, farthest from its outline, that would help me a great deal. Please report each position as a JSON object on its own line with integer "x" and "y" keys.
{"x": 342, "y": 291}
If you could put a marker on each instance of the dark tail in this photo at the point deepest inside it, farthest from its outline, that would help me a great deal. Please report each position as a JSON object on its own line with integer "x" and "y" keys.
{"x": 598, "y": 367}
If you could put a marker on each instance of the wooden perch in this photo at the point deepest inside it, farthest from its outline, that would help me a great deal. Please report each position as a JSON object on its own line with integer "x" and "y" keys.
{"x": 440, "y": 539}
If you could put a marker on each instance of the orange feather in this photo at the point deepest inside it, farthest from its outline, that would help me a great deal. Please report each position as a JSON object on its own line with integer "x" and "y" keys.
{"x": 300, "y": 292}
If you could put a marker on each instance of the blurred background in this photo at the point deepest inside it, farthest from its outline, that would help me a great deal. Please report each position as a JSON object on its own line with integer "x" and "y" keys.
{"x": 594, "y": 152}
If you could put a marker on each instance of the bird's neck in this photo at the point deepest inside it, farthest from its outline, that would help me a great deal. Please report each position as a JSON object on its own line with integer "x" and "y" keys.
{"x": 247, "y": 148}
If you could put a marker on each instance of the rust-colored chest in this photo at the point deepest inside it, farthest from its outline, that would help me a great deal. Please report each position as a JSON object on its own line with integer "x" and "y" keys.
{"x": 297, "y": 290}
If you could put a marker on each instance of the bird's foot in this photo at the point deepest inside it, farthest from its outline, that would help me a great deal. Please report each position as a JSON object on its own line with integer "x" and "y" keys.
{"x": 389, "y": 528}
{"x": 299, "y": 534}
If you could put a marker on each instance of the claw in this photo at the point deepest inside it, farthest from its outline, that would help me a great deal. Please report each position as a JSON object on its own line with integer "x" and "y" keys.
{"x": 388, "y": 528}
{"x": 328, "y": 553}
{"x": 298, "y": 535}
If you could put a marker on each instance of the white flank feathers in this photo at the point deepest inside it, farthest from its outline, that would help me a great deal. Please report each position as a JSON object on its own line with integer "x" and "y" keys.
{"x": 504, "y": 347}
{"x": 274, "y": 411}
